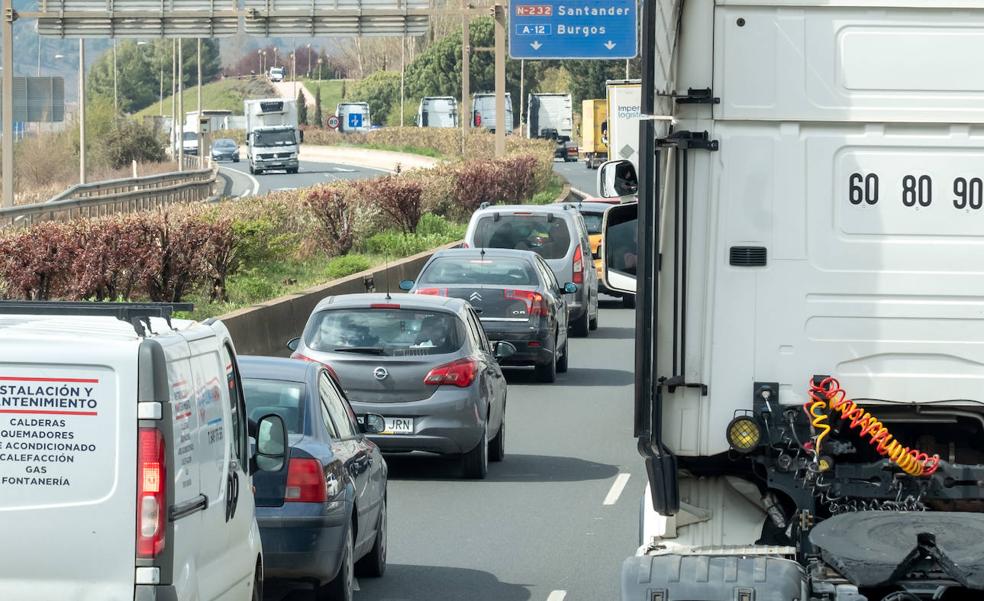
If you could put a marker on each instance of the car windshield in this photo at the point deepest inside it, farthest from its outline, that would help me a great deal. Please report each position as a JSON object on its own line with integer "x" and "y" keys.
{"x": 275, "y": 138}
{"x": 224, "y": 143}
{"x": 279, "y": 397}
{"x": 491, "y": 272}
{"x": 387, "y": 332}
{"x": 549, "y": 238}
{"x": 593, "y": 222}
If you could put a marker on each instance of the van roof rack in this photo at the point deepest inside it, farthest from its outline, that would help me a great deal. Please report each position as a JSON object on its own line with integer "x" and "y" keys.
{"x": 136, "y": 314}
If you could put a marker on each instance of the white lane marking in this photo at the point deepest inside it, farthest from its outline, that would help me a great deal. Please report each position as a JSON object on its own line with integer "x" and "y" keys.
{"x": 256, "y": 183}
{"x": 556, "y": 596}
{"x": 342, "y": 170}
{"x": 617, "y": 487}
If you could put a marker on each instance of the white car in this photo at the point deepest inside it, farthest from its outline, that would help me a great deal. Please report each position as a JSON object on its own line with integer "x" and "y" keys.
{"x": 125, "y": 462}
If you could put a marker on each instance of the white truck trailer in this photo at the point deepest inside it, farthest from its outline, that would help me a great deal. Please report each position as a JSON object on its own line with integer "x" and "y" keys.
{"x": 272, "y": 136}
{"x": 438, "y": 111}
{"x": 550, "y": 116}
{"x": 483, "y": 111}
{"x": 810, "y": 307}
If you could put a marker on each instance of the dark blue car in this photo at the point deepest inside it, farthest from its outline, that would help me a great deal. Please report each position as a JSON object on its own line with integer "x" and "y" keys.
{"x": 322, "y": 518}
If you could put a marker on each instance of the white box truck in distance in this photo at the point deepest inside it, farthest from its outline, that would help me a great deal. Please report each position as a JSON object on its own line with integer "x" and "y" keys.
{"x": 125, "y": 460}
{"x": 624, "y": 100}
{"x": 483, "y": 111}
{"x": 272, "y": 137}
{"x": 437, "y": 111}
{"x": 551, "y": 116}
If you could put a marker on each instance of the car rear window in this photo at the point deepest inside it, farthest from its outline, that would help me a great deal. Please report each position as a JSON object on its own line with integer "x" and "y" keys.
{"x": 593, "y": 221}
{"x": 488, "y": 272}
{"x": 280, "y": 397}
{"x": 549, "y": 238}
{"x": 390, "y": 332}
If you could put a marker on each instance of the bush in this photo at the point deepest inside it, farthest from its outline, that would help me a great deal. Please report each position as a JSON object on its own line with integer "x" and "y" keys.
{"x": 33, "y": 261}
{"x": 396, "y": 244}
{"x": 128, "y": 141}
{"x": 435, "y": 225}
{"x": 479, "y": 143}
{"x": 334, "y": 208}
{"x": 339, "y": 267}
{"x": 398, "y": 199}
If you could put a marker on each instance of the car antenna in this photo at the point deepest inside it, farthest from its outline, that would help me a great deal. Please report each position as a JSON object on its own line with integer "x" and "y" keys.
{"x": 386, "y": 267}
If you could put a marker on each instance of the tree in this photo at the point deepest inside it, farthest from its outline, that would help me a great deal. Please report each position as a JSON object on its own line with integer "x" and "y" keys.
{"x": 381, "y": 90}
{"x": 302, "y": 116}
{"x": 319, "y": 119}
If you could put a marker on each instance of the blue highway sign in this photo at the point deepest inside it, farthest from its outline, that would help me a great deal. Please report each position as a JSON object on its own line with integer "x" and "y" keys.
{"x": 560, "y": 29}
{"x": 355, "y": 120}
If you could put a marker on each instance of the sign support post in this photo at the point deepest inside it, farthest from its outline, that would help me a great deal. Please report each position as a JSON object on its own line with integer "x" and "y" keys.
{"x": 180, "y": 117}
{"x": 7, "y": 105}
{"x": 465, "y": 74}
{"x": 500, "y": 79}
{"x": 82, "y": 179}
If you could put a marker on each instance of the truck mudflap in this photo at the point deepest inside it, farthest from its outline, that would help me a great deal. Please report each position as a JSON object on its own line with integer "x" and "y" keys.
{"x": 878, "y": 548}
{"x": 712, "y": 577}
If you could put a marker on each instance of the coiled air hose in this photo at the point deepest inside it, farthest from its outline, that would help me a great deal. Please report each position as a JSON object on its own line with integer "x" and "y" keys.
{"x": 828, "y": 393}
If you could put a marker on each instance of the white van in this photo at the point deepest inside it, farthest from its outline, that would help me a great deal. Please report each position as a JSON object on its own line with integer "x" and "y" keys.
{"x": 353, "y": 117}
{"x": 124, "y": 457}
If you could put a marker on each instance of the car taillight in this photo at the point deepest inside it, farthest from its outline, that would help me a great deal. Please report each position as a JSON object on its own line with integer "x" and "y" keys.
{"x": 306, "y": 481}
{"x": 536, "y": 305}
{"x": 578, "y": 265}
{"x": 460, "y": 373}
{"x": 300, "y": 357}
{"x": 433, "y": 291}
{"x": 151, "y": 492}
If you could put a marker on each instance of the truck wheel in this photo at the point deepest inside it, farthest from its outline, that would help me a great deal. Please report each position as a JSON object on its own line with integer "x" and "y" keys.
{"x": 251, "y": 170}
{"x": 294, "y": 170}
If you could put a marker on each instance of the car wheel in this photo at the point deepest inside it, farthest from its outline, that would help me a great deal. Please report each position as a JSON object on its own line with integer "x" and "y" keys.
{"x": 579, "y": 329}
{"x": 593, "y": 323}
{"x": 340, "y": 589}
{"x": 236, "y": 160}
{"x": 547, "y": 372}
{"x": 475, "y": 463}
{"x": 497, "y": 447}
{"x": 374, "y": 564}
{"x": 628, "y": 301}
{"x": 257, "y": 586}
{"x": 562, "y": 362}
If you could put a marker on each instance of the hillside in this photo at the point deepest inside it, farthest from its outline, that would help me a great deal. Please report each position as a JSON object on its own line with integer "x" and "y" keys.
{"x": 225, "y": 94}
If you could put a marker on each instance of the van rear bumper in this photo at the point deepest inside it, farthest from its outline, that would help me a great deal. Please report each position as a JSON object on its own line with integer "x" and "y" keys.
{"x": 303, "y": 541}
{"x": 152, "y": 592}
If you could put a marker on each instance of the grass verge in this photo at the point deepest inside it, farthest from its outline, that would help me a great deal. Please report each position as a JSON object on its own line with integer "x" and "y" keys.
{"x": 226, "y": 94}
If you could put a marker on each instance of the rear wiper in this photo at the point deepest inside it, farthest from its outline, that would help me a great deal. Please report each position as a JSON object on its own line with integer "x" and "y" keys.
{"x": 366, "y": 350}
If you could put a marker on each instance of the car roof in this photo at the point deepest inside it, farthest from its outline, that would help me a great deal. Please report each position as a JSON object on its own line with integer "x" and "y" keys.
{"x": 276, "y": 368}
{"x": 593, "y": 207}
{"x": 405, "y": 301}
{"x": 493, "y": 253}
{"x": 87, "y": 329}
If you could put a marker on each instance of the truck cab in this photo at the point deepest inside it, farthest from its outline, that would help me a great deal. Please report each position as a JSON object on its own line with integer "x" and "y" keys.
{"x": 272, "y": 136}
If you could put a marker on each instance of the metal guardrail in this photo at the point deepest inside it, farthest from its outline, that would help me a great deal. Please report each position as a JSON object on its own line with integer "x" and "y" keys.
{"x": 116, "y": 196}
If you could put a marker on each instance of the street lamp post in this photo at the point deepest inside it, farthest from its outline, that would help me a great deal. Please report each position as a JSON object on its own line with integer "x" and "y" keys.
{"x": 262, "y": 54}
{"x": 319, "y": 69}
{"x": 275, "y": 57}
{"x": 309, "y": 60}
{"x": 116, "y": 96}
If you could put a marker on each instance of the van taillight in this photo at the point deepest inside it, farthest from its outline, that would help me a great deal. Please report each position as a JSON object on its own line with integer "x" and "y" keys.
{"x": 578, "y": 265}
{"x": 151, "y": 492}
{"x": 460, "y": 373}
{"x": 306, "y": 481}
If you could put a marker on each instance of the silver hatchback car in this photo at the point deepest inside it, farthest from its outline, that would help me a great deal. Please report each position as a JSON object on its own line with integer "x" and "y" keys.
{"x": 421, "y": 362}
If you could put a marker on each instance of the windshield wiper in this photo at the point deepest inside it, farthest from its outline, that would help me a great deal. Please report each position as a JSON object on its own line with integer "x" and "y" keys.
{"x": 366, "y": 350}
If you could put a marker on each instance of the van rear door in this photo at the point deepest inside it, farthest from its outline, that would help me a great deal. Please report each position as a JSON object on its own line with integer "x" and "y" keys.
{"x": 68, "y": 446}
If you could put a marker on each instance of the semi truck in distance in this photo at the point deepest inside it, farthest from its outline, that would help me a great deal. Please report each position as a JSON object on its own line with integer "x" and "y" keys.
{"x": 594, "y": 132}
{"x": 438, "y": 111}
{"x": 804, "y": 253}
{"x": 483, "y": 111}
{"x": 623, "y": 98}
{"x": 550, "y": 116}
{"x": 353, "y": 117}
{"x": 272, "y": 136}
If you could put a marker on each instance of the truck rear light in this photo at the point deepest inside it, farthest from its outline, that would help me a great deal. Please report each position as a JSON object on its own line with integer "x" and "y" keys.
{"x": 151, "y": 492}
{"x": 578, "y": 265}
{"x": 306, "y": 481}
{"x": 536, "y": 305}
{"x": 433, "y": 291}
{"x": 460, "y": 373}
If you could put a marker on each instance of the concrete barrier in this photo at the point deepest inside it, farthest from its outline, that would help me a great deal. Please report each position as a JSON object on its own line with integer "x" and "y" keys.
{"x": 264, "y": 329}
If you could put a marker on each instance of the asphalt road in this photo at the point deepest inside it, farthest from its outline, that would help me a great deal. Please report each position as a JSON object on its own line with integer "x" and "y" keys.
{"x": 238, "y": 181}
{"x": 554, "y": 520}
{"x": 579, "y": 176}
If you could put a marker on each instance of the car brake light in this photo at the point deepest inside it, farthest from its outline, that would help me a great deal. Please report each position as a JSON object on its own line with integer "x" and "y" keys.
{"x": 535, "y": 303}
{"x": 578, "y": 265}
{"x": 433, "y": 291}
{"x": 384, "y": 306}
{"x": 306, "y": 482}
{"x": 300, "y": 357}
{"x": 460, "y": 373}
{"x": 151, "y": 492}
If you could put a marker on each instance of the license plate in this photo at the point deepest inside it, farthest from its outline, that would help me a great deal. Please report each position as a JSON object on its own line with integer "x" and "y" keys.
{"x": 399, "y": 425}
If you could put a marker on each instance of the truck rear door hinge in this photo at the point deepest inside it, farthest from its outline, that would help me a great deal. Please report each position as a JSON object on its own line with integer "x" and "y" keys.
{"x": 697, "y": 140}
{"x": 697, "y": 96}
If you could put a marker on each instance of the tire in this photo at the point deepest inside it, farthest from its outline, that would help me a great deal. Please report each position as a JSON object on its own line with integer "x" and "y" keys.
{"x": 251, "y": 170}
{"x": 547, "y": 372}
{"x": 340, "y": 589}
{"x": 628, "y": 301}
{"x": 235, "y": 160}
{"x": 294, "y": 170}
{"x": 475, "y": 463}
{"x": 562, "y": 362}
{"x": 497, "y": 446}
{"x": 579, "y": 329}
{"x": 593, "y": 323}
{"x": 373, "y": 564}
{"x": 257, "y": 586}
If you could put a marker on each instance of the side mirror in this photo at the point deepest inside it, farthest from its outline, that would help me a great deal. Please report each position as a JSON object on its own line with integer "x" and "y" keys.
{"x": 271, "y": 443}
{"x": 406, "y": 285}
{"x": 617, "y": 178}
{"x": 293, "y": 343}
{"x": 372, "y": 423}
{"x": 504, "y": 349}
{"x": 570, "y": 287}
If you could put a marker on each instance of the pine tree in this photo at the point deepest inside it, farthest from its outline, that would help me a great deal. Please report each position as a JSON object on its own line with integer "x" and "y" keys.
{"x": 302, "y": 116}
{"x": 318, "y": 117}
